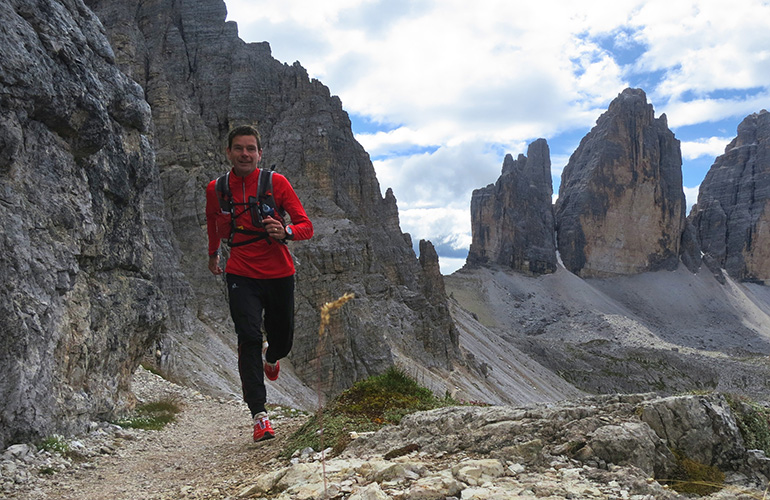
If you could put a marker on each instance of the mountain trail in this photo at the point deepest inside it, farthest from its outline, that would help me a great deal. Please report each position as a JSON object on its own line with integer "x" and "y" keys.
{"x": 207, "y": 453}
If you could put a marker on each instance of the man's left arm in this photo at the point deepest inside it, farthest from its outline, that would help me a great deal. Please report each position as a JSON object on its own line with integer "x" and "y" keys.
{"x": 286, "y": 198}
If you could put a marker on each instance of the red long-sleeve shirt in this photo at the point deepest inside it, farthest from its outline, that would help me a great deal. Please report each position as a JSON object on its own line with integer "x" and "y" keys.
{"x": 267, "y": 258}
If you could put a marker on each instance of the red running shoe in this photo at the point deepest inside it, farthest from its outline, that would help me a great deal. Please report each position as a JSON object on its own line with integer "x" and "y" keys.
{"x": 271, "y": 370}
{"x": 262, "y": 428}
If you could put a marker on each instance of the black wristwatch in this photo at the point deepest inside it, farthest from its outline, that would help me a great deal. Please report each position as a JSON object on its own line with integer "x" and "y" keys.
{"x": 289, "y": 233}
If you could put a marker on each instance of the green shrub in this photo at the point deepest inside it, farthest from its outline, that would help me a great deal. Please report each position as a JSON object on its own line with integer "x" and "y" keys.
{"x": 152, "y": 416}
{"x": 367, "y": 406}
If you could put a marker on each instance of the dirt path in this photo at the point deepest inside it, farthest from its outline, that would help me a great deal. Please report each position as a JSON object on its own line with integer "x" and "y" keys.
{"x": 208, "y": 453}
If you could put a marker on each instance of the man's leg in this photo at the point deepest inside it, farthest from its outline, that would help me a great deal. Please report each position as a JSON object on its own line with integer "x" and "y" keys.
{"x": 246, "y": 305}
{"x": 279, "y": 318}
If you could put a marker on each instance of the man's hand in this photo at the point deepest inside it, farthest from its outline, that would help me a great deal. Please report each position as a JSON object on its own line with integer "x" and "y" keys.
{"x": 214, "y": 265}
{"x": 274, "y": 228}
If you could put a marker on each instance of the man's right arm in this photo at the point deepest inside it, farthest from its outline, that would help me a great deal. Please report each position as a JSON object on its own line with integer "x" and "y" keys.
{"x": 212, "y": 212}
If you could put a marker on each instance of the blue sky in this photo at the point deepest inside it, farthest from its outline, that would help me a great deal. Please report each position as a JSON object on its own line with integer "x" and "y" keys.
{"x": 439, "y": 91}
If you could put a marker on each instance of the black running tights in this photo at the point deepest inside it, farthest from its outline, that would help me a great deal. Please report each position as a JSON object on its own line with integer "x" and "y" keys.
{"x": 249, "y": 297}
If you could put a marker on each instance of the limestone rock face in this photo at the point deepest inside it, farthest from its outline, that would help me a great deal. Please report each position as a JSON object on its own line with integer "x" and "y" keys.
{"x": 200, "y": 80}
{"x": 621, "y": 208}
{"x": 732, "y": 215}
{"x": 512, "y": 220}
{"x": 78, "y": 190}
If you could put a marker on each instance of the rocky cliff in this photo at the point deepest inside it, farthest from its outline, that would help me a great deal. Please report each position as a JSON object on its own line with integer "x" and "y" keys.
{"x": 512, "y": 220}
{"x": 621, "y": 208}
{"x": 81, "y": 206}
{"x": 732, "y": 215}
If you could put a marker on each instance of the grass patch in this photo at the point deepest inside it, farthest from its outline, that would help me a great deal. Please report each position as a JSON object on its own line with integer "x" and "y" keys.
{"x": 152, "y": 416}
{"x": 753, "y": 421}
{"x": 367, "y": 406}
{"x": 55, "y": 443}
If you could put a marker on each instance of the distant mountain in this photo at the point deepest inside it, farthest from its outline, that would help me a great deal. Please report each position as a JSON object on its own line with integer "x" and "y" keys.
{"x": 621, "y": 208}
{"x": 630, "y": 309}
{"x": 732, "y": 215}
{"x": 512, "y": 220}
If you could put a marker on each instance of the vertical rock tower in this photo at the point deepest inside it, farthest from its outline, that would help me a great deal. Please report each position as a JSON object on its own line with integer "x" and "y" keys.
{"x": 512, "y": 220}
{"x": 621, "y": 207}
{"x": 733, "y": 211}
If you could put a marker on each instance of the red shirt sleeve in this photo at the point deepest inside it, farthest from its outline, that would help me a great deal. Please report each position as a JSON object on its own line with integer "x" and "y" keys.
{"x": 288, "y": 200}
{"x": 217, "y": 222}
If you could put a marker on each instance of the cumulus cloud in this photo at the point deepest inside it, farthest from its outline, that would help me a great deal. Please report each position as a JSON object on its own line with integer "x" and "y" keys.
{"x": 711, "y": 147}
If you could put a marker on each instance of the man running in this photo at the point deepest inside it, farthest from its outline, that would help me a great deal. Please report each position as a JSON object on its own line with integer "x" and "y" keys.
{"x": 260, "y": 269}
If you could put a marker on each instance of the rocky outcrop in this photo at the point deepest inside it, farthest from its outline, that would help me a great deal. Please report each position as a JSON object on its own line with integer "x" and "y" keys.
{"x": 445, "y": 338}
{"x": 732, "y": 215}
{"x": 621, "y": 208}
{"x": 615, "y": 433}
{"x": 512, "y": 220}
{"x": 79, "y": 204}
{"x": 201, "y": 79}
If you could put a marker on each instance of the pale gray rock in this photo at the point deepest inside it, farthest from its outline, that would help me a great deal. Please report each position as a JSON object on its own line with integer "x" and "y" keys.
{"x": 636, "y": 431}
{"x": 704, "y": 429}
{"x": 78, "y": 192}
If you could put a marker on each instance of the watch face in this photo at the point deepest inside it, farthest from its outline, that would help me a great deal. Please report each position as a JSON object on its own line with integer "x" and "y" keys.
{"x": 289, "y": 230}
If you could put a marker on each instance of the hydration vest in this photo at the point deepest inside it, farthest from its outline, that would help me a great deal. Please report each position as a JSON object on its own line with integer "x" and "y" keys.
{"x": 259, "y": 206}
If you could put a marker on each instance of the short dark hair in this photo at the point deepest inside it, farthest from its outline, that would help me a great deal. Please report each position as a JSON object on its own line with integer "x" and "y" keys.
{"x": 244, "y": 130}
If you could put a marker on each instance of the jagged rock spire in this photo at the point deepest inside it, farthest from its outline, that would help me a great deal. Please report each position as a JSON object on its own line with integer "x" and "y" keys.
{"x": 512, "y": 220}
{"x": 621, "y": 207}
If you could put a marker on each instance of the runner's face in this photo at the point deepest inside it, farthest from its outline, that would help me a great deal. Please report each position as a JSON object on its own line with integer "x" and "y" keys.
{"x": 244, "y": 154}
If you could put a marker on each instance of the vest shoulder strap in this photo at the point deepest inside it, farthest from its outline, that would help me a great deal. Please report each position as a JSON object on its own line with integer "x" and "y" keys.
{"x": 224, "y": 195}
{"x": 265, "y": 184}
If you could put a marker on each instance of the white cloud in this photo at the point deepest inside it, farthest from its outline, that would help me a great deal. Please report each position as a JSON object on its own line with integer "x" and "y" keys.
{"x": 448, "y": 265}
{"x": 691, "y": 195}
{"x": 453, "y": 222}
{"x": 712, "y": 147}
{"x": 442, "y": 178}
{"x": 700, "y": 111}
{"x": 705, "y": 46}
